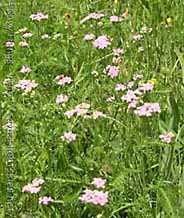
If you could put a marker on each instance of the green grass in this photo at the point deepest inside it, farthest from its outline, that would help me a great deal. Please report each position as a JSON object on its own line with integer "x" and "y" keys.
{"x": 144, "y": 176}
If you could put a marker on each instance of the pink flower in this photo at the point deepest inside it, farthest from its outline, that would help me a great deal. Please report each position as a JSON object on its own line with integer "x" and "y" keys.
{"x": 115, "y": 19}
{"x": 112, "y": 71}
{"x": 146, "y": 87}
{"x": 37, "y": 182}
{"x": 129, "y": 96}
{"x": 95, "y": 197}
{"x": 10, "y": 44}
{"x": 68, "y": 136}
{"x": 62, "y": 99}
{"x": 98, "y": 114}
{"x": 89, "y": 37}
{"x": 27, "y": 35}
{"x": 130, "y": 84}
{"x": 137, "y": 76}
{"x": 69, "y": 114}
{"x": 26, "y": 85}
{"x": 147, "y": 109}
{"x": 82, "y": 109}
{"x": 118, "y": 51}
{"x": 95, "y": 16}
{"x": 120, "y": 87}
{"x": 167, "y": 138}
{"x": 45, "y": 200}
{"x": 137, "y": 37}
{"x": 101, "y": 42}
{"x": 132, "y": 104}
{"x": 25, "y": 69}
{"x": 62, "y": 80}
{"x": 99, "y": 182}
{"x": 39, "y": 16}
{"x": 23, "y": 44}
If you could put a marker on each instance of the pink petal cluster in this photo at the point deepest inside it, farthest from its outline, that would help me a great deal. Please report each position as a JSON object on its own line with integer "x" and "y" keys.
{"x": 33, "y": 187}
{"x": 26, "y": 85}
{"x": 115, "y": 19}
{"x": 137, "y": 37}
{"x": 62, "y": 80}
{"x": 95, "y": 197}
{"x": 45, "y": 200}
{"x": 120, "y": 87}
{"x": 112, "y": 71}
{"x": 167, "y": 138}
{"x": 25, "y": 69}
{"x": 10, "y": 44}
{"x": 61, "y": 99}
{"x": 68, "y": 136}
{"x": 80, "y": 110}
{"x": 39, "y": 16}
{"x": 102, "y": 42}
{"x": 99, "y": 182}
{"x": 148, "y": 109}
{"x": 146, "y": 87}
{"x": 89, "y": 37}
{"x": 27, "y": 35}
{"x": 23, "y": 44}
{"x": 98, "y": 114}
{"x": 118, "y": 51}
{"x": 129, "y": 96}
{"x": 94, "y": 15}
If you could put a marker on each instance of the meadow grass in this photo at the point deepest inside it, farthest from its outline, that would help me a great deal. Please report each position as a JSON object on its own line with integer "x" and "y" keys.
{"x": 144, "y": 175}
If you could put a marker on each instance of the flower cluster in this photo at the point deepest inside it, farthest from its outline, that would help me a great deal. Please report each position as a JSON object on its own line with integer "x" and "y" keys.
{"x": 45, "y": 200}
{"x": 102, "y": 42}
{"x": 68, "y": 136}
{"x": 61, "y": 99}
{"x": 95, "y": 16}
{"x": 167, "y": 138}
{"x": 39, "y": 16}
{"x": 147, "y": 109}
{"x": 112, "y": 71}
{"x": 26, "y": 85}
{"x": 95, "y": 197}
{"x": 33, "y": 187}
{"x": 62, "y": 80}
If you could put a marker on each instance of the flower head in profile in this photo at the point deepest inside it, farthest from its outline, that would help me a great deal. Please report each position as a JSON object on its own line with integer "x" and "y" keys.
{"x": 39, "y": 16}
{"x": 23, "y": 44}
{"x": 61, "y": 99}
{"x": 94, "y": 16}
{"x": 115, "y": 19}
{"x": 147, "y": 109}
{"x": 10, "y": 44}
{"x": 27, "y": 35}
{"x": 167, "y": 138}
{"x": 89, "y": 37}
{"x": 102, "y": 42}
{"x": 68, "y": 136}
{"x": 45, "y": 200}
{"x": 99, "y": 182}
{"x": 25, "y": 69}
{"x": 98, "y": 114}
{"x": 62, "y": 80}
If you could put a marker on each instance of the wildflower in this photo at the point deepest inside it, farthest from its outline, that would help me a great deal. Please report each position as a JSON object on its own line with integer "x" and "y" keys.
{"x": 137, "y": 37}
{"x": 45, "y": 200}
{"x": 89, "y": 37}
{"x": 39, "y": 16}
{"x": 99, "y": 182}
{"x": 69, "y": 114}
{"x": 22, "y": 30}
{"x": 25, "y": 69}
{"x": 148, "y": 109}
{"x": 118, "y": 51}
{"x": 130, "y": 84}
{"x": 61, "y": 99}
{"x": 98, "y": 114}
{"x": 33, "y": 187}
{"x": 10, "y": 44}
{"x": 10, "y": 126}
{"x": 101, "y": 42}
{"x": 37, "y": 182}
{"x": 26, "y": 85}
{"x": 132, "y": 104}
{"x": 120, "y": 87}
{"x": 45, "y": 36}
{"x": 115, "y": 19}
{"x": 167, "y": 138}
{"x": 129, "y": 96}
{"x": 56, "y": 36}
{"x": 82, "y": 109}
{"x": 95, "y": 197}
{"x": 23, "y": 44}
{"x": 145, "y": 29}
{"x": 112, "y": 71}
{"x": 95, "y": 16}
{"x": 27, "y": 35}
{"x": 68, "y": 136}
{"x": 137, "y": 77}
{"x": 146, "y": 87}
{"x": 62, "y": 80}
